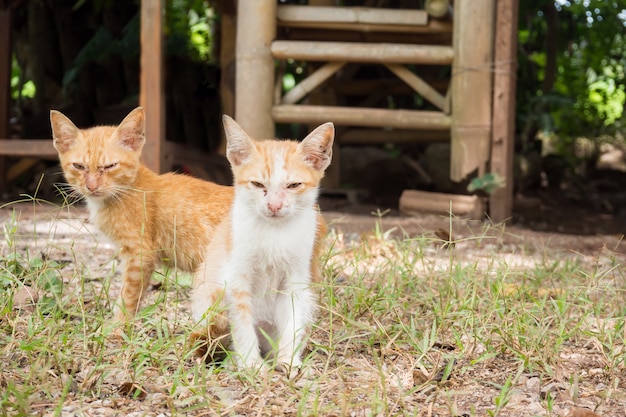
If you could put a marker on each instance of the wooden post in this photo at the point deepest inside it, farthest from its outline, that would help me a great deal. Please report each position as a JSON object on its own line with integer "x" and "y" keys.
{"x": 5, "y": 83}
{"x": 151, "y": 94}
{"x": 256, "y": 29}
{"x": 228, "y": 34}
{"x": 503, "y": 135}
{"x": 471, "y": 87}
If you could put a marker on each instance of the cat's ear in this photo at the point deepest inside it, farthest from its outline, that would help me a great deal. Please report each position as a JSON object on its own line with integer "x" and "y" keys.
{"x": 64, "y": 132}
{"x": 239, "y": 146}
{"x": 131, "y": 133}
{"x": 317, "y": 147}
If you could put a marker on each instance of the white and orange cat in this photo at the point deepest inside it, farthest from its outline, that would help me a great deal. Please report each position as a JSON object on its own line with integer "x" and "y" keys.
{"x": 256, "y": 280}
{"x": 154, "y": 219}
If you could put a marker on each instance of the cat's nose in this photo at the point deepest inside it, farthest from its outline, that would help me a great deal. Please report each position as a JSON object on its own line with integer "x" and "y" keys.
{"x": 274, "y": 206}
{"x": 91, "y": 184}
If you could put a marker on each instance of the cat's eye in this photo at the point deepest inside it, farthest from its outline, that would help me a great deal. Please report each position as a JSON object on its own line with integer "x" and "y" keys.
{"x": 78, "y": 166}
{"x": 257, "y": 184}
{"x": 110, "y": 166}
{"x": 294, "y": 185}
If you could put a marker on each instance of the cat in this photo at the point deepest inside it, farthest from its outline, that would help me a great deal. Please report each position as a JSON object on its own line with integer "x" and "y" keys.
{"x": 153, "y": 219}
{"x": 254, "y": 288}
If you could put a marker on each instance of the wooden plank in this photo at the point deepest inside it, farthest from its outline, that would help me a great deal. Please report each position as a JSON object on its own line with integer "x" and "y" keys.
{"x": 359, "y": 116}
{"x": 28, "y": 147}
{"x": 151, "y": 92}
{"x": 256, "y": 29}
{"x": 471, "y": 87}
{"x": 503, "y": 133}
{"x": 418, "y": 84}
{"x": 414, "y": 202}
{"x": 374, "y": 16}
{"x": 382, "y": 53}
{"x": 311, "y": 82}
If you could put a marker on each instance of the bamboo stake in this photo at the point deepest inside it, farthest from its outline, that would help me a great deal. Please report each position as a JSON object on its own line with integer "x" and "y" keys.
{"x": 418, "y": 84}
{"x": 363, "y": 52}
{"x": 401, "y": 119}
{"x": 472, "y": 87}
{"x": 256, "y": 29}
{"x": 311, "y": 82}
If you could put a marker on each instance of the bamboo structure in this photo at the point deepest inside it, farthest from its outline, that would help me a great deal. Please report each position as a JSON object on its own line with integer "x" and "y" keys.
{"x": 256, "y": 29}
{"x": 473, "y": 111}
{"x": 402, "y": 119}
{"x": 311, "y": 82}
{"x": 382, "y": 53}
{"x": 350, "y": 18}
{"x": 471, "y": 87}
{"x": 419, "y": 85}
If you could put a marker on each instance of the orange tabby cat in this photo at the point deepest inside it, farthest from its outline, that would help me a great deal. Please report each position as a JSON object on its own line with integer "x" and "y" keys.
{"x": 154, "y": 219}
{"x": 264, "y": 256}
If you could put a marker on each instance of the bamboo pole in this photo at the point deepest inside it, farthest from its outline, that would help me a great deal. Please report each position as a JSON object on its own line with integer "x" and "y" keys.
{"x": 418, "y": 84}
{"x": 358, "y": 116}
{"x": 363, "y": 52}
{"x": 256, "y": 29}
{"x": 471, "y": 87}
{"x": 311, "y": 82}
{"x": 350, "y": 15}
{"x": 151, "y": 93}
{"x": 503, "y": 136}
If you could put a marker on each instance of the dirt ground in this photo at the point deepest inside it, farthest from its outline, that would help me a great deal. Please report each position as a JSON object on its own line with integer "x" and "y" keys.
{"x": 540, "y": 230}
{"x": 569, "y": 229}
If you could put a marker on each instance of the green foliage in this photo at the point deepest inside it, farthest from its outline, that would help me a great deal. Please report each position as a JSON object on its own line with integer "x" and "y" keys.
{"x": 488, "y": 183}
{"x": 20, "y": 87}
{"x": 17, "y": 269}
{"x": 571, "y": 74}
{"x": 188, "y": 28}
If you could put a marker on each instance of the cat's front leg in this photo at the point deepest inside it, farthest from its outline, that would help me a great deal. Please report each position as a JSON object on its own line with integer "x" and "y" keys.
{"x": 293, "y": 315}
{"x": 138, "y": 268}
{"x": 245, "y": 341}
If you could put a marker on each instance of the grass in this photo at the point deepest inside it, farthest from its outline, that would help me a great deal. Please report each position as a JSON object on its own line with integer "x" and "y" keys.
{"x": 414, "y": 325}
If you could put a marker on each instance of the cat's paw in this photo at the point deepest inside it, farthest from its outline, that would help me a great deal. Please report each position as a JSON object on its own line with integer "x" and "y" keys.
{"x": 290, "y": 369}
{"x": 211, "y": 350}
